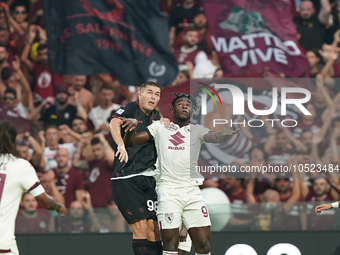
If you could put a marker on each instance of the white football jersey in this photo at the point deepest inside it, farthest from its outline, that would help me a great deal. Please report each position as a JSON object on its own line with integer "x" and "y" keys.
{"x": 16, "y": 176}
{"x": 178, "y": 150}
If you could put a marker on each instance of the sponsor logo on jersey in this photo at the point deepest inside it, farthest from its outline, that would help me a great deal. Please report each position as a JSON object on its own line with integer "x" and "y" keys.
{"x": 120, "y": 111}
{"x": 177, "y": 139}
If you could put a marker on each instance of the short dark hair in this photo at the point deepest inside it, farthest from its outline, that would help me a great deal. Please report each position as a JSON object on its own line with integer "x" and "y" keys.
{"x": 79, "y": 118}
{"x": 182, "y": 95}
{"x": 51, "y": 126}
{"x": 42, "y": 46}
{"x": 190, "y": 29}
{"x": 95, "y": 141}
{"x": 150, "y": 83}
{"x": 6, "y": 73}
{"x": 186, "y": 73}
{"x": 106, "y": 86}
{"x": 12, "y": 91}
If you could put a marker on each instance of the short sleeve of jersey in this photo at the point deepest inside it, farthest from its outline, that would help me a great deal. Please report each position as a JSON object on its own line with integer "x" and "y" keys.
{"x": 29, "y": 179}
{"x": 153, "y": 129}
{"x": 126, "y": 111}
{"x": 203, "y": 131}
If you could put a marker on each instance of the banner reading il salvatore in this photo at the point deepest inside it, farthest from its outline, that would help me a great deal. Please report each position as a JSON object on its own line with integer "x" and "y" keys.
{"x": 127, "y": 38}
{"x": 251, "y": 35}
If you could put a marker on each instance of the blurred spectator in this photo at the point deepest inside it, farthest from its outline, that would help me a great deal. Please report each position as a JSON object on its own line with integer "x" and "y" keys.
{"x": 236, "y": 193}
{"x": 30, "y": 219}
{"x": 315, "y": 62}
{"x": 289, "y": 216}
{"x": 311, "y": 23}
{"x": 18, "y": 82}
{"x": 98, "y": 183}
{"x": 68, "y": 179}
{"x": 278, "y": 147}
{"x": 52, "y": 138}
{"x": 188, "y": 55}
{"x": 204, "y": 42}
{"x": 317, "y": 194}
{"x": 114, "y": 221}
{"x": 75, "y": 221}
{"x": 36, "y": 13}
{"x": 59, "y": 112}
{"x": 306, "y": 138}
{"x": 78, "y": 92}
{"x": 181, "y": 77}
{"x": 20, "y": 15}
{"x": 3, "y": 57}
{"x": 99, "y": 115}
{"x": 79, "y": 125}
{"x": 35, "y": 155}
{"x": 181, "y": 18}
{"x": 333, "y": 21}
{"x": 218, "y": 73}
{"x": 47, "y": 181}
{"x": 43, "y": 81}
{"x": 310, "y": 122}
{"x": 10, "y": 100}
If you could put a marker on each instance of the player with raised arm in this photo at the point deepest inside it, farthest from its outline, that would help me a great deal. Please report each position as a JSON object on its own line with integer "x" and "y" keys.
{"x": 133, "y": 184}
{"x": 16, "y": 176}
{"x": 179, "y": 197}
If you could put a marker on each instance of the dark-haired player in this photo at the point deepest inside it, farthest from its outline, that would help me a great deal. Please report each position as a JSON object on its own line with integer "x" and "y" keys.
{"x": 16, "y": 176}
{"x": 133, "y": 184}
{"x": 179, "y": 197}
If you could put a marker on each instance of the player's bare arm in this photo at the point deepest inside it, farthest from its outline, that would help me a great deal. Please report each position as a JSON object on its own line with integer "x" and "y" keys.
{"x": 320, "y": 208}
{"x": 132, "y": 138}
{"x": 49, "y": 203}
{"x": 219, "y": 137}
{"x": 115, "y": 129}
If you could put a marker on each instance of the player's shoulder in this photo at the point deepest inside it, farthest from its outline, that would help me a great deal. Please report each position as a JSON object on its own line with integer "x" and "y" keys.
{"x": 18, "y": 164}
{"x": 198, "y": 128}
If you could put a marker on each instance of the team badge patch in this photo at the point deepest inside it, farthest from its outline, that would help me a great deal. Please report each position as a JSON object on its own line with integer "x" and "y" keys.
{"x": 120, "y": 111}
{"x": 169, "y": 217}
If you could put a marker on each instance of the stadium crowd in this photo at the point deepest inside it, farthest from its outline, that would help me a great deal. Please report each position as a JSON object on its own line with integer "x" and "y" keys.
{"x": 70, "y": 146}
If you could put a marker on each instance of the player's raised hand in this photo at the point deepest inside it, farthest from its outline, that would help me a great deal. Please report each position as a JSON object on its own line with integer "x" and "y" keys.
{"x": 319, "y": 208}
{"x": 164, "y": 121}
{"x": 129, "y": 124}
{"x": 122, "y": 153}
{"x": 229, "y": 132}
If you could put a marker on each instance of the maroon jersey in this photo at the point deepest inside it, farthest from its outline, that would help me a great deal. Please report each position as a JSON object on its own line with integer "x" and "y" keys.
{"x": 99, "y": 184}
{"x": 38, "y": 224}
{"x": 43, "y": 84}
{"x": 183, "y": 55}
{"x": 239, "y": 198}
{"x": 68, "y": 183}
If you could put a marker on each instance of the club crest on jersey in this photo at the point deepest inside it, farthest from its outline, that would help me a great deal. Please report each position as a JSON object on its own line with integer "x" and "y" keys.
{"x": 120, "y": 111}
{"x": 169, "y": 217}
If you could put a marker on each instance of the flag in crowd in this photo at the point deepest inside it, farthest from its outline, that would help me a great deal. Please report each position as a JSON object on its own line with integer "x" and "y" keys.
{"x": 251, "y": 35}
{"x": 127, "y": 38}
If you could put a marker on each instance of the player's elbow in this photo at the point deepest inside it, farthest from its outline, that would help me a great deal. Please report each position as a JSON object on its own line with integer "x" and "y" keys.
{"x": 115, "y": 122}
